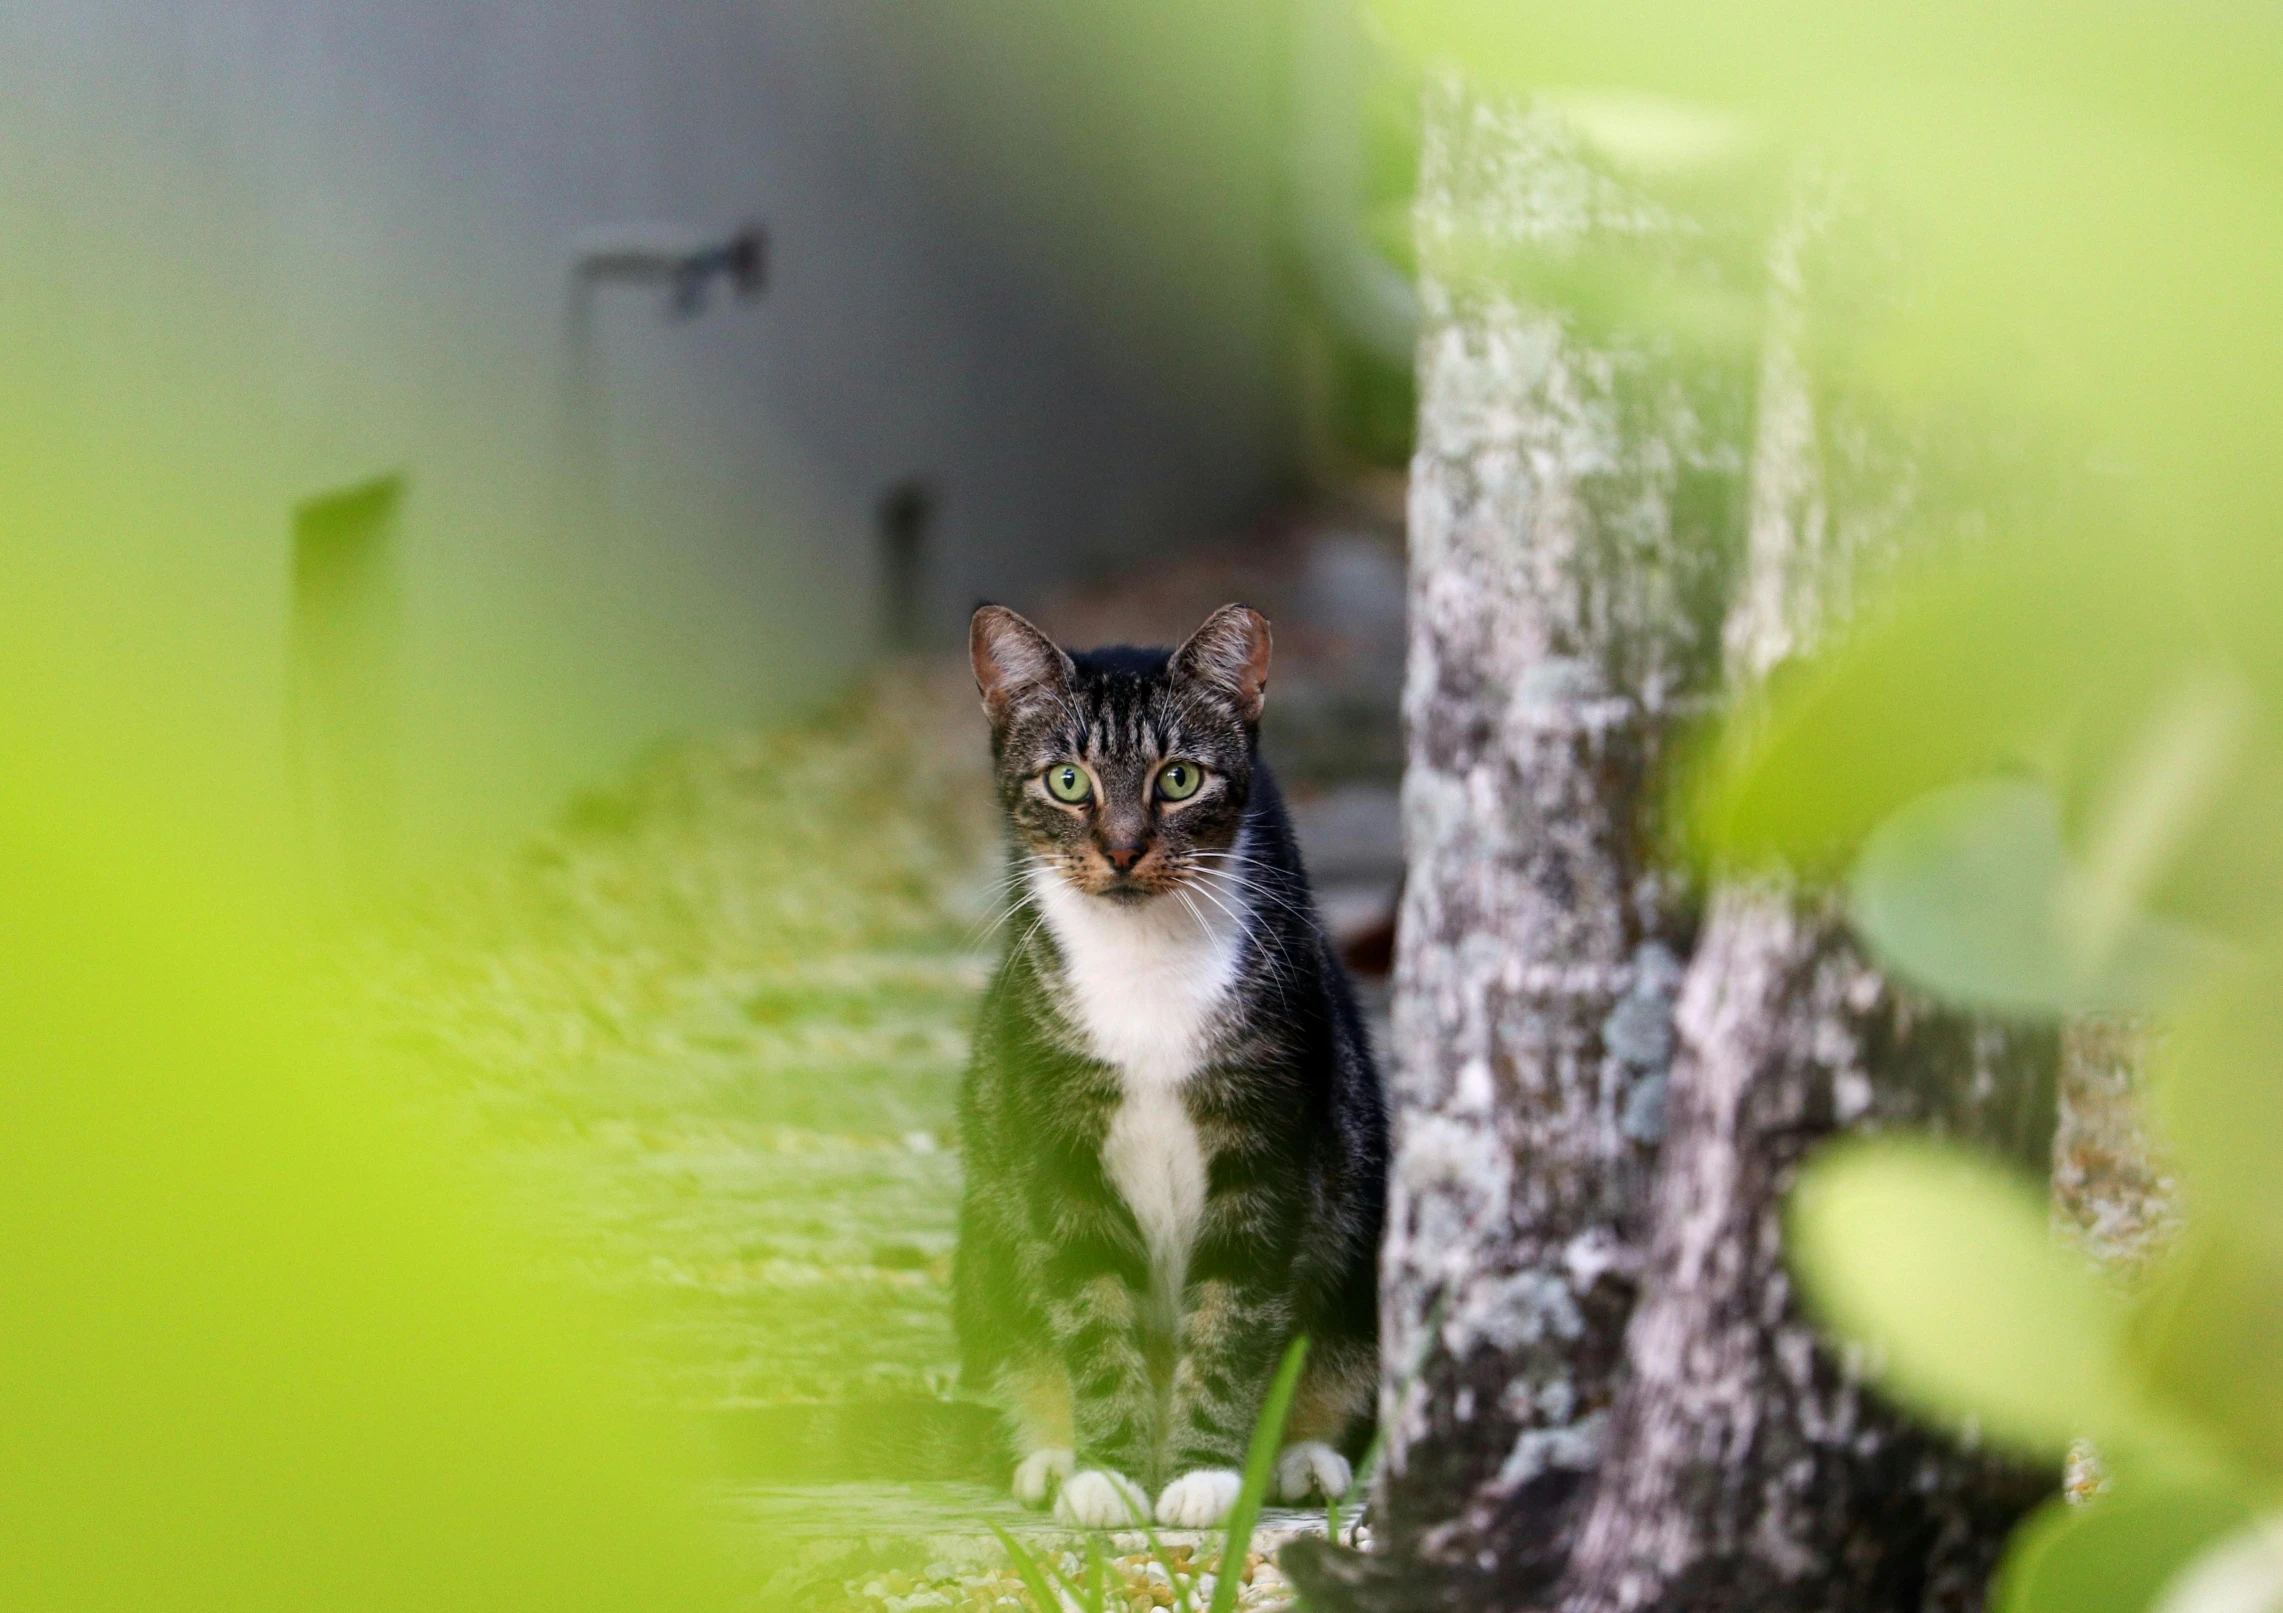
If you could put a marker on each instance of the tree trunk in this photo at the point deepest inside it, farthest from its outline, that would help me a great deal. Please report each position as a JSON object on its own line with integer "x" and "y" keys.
{"x": 1699, "y": 1450}
{"x": 1746, "y": 1469}
{"x": 1572, "y": 502}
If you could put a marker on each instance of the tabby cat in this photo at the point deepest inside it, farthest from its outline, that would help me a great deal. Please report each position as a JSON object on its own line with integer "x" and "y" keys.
{"x": 1176, "y": 1144}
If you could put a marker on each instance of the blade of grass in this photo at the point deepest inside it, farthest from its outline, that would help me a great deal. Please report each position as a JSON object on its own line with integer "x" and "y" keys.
{"x": 1260, "y": 1462}
{"x": 1075, "y": 1592}
{"x": 1028, "y": 1571}
{"x": 1098, "y": 1572}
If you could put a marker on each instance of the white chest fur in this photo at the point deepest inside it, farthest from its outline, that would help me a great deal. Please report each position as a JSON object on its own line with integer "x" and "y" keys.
{"x": 1144, "y": 985}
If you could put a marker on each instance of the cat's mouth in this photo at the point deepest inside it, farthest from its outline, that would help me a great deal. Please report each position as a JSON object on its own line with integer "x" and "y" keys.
{"x": 1127, "y": 889}
{"x": 1130, "y": 887}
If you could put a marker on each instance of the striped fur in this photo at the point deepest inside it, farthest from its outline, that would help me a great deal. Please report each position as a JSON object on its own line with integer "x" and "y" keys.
{"x": 1175, "y": 1139}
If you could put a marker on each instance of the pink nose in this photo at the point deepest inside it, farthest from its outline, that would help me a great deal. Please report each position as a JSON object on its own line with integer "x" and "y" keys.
{"x": 1122, "y": 858}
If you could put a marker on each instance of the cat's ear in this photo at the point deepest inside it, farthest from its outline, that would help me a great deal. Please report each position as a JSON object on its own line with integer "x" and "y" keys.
{"x": 1229, "y": 654}
{"x": 1014, "y": 661}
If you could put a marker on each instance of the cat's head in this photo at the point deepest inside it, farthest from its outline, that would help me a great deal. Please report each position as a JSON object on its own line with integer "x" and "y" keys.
{"x": 1125, "y": 772}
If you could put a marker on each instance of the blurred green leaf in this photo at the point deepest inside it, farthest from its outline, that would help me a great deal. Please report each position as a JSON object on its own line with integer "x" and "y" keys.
{"x": 1028, "y": 1570}
{"x": 2014, "y": 655}
{"x": 1941, "y": 1266}
{"x": 2092, "y": 667}
{"x": 1099, "y": 1579}
{"x": 2240, "y": 1574}
{"x": 2219, "y": 1100}
{"x": 2209, "y": 1335}
{"x": 1654, "y": 133}
{"x": 2112, "y": 1555}
{"x": 1606, "y": 291}
{"x": 253, "y": 1352}
{"x": 1970, "y": 894}
{"x": 2092, "y": 196}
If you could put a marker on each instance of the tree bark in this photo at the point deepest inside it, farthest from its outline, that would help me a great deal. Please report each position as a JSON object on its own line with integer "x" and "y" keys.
{"x": 1573, "y": 508}
{"x": 1699, "y": 1450}
{"x": 1746, "y": 1468}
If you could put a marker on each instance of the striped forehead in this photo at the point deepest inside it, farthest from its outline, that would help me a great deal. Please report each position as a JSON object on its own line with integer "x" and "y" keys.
{"x": 1125, "y": 716}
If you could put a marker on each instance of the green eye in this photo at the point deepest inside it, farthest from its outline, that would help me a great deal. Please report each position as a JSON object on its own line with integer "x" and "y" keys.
{"x": 1178, "y": 781}
{"x": 1068, "y": 782}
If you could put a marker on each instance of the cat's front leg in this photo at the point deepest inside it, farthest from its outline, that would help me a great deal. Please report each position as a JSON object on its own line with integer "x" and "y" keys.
{"x": 1231, "y": 1333}
{"x": 1097, "y": 1333}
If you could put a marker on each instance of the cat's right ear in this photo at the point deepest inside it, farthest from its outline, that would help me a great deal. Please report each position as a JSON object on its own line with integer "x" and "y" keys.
{"x": 1014, "y": 661}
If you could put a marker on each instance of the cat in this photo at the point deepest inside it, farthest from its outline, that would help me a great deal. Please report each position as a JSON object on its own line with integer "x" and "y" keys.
{"x": 1175, "y": 1138}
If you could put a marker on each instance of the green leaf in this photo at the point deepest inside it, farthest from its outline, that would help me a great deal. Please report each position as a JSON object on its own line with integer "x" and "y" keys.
{"x": 2219, "y": 1100}
{"x": 2209, "y": 1334}
{"x": 2086, "y": 205}
{"x": 1260, "y": 1465}
{"x": 2112, "y": 1555}
{"x": 1970, "y": 894}
{"x": 1940, "y": 1265}
{"x": 2241, "y": 1574}
{"x": 1654, "y": 133}
{"x": 2031, "y": 653}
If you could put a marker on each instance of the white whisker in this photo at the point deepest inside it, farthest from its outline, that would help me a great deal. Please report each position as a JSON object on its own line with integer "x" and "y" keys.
{"x": 1283, "y": 968}
{"x": 1011, "y": 891}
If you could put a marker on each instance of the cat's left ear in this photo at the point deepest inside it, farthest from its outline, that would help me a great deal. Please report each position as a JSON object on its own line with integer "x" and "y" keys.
{"x": 1230, "y": 654}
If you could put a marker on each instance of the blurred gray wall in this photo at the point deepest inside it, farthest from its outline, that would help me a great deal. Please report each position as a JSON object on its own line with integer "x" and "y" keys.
{"x": 254, "y": 252}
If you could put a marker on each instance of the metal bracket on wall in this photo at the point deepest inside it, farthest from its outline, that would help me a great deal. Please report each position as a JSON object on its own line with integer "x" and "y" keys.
{"x": 683, "y": 262}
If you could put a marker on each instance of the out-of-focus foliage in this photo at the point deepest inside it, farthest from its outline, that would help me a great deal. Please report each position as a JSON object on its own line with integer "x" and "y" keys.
{"x": 1940, "y": 1266}
{"x": 1971, "y": 891}
{"x": 2022, "y": 1333}
{"x": 2048, "y": 757}
{"x": 2120, "y": 1556}
{"x": 254, "y": 1354}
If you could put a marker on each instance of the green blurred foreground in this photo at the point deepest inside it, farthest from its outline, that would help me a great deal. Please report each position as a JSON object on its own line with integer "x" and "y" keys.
{"x": 263, "y": 1343}
{"x": 274, "y": 1334}
{"x": 256, "y": 1350}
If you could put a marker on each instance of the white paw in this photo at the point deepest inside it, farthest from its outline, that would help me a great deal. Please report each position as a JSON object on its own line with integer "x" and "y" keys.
{"x": 1199, "y": 1500}
{"x": 1037, "y": 1474}
{"x": 1311, "y": 1468}
{"x": 1100, "y": 1499}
